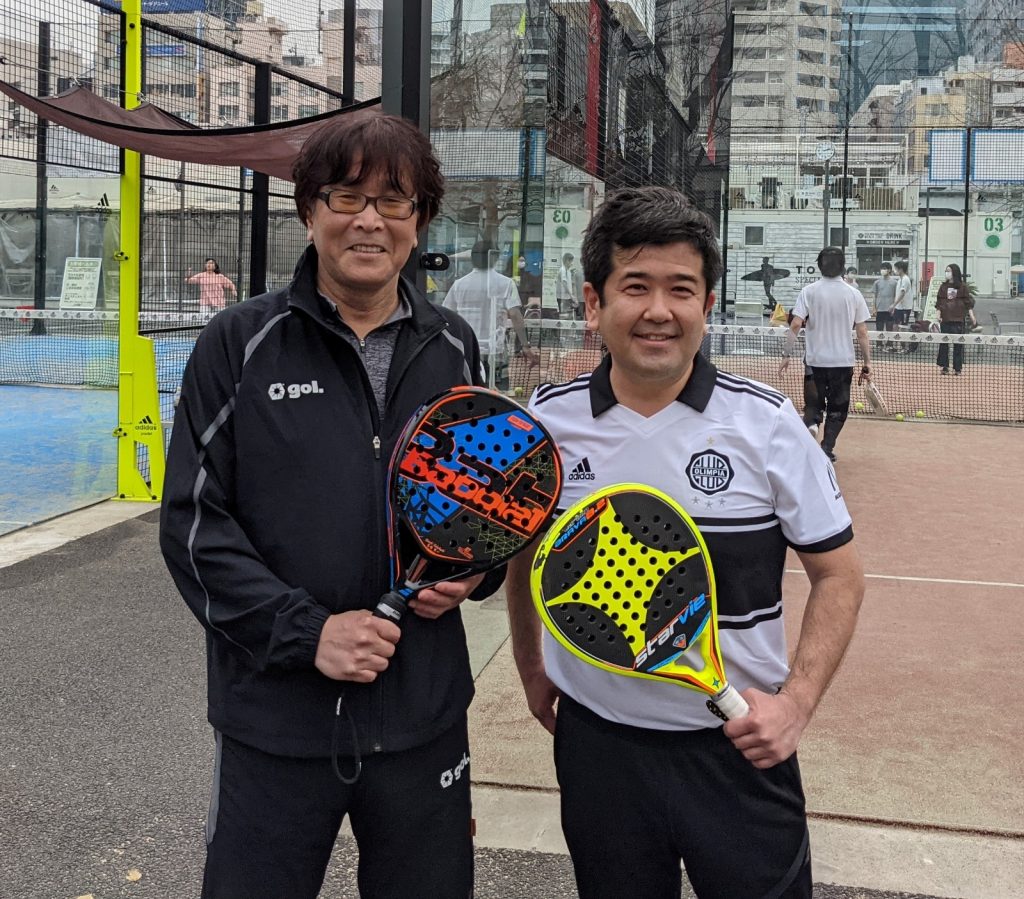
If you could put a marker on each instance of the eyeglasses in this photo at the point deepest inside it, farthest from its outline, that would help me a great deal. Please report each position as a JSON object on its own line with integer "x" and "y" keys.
{"x": 350, "y": 202}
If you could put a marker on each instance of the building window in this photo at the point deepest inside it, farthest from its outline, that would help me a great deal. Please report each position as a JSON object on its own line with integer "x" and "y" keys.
{"x": 750, "y": 78}
{"x": 227, "y": 112}
{"x": 811, "y": 56}
{"x": 753, "y": 236}
{"x": 183, "y": 90}
{"x": 816, "y": 34}
{"x": 810, "y": 104}
{"x": 305, "y": 111}
{"x": 278, "y": 113}
{"x": 228, "y": 89}
{"x": 839, "y": 237}
{"x": 278, "y": 89}
{"x": 813, "y": 9}
{"x": 811, "y": 80}
{"x": 751, "y": 102}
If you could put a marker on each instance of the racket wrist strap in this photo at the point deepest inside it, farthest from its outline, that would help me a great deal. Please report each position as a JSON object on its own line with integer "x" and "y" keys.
{"x": 391, "y": 606}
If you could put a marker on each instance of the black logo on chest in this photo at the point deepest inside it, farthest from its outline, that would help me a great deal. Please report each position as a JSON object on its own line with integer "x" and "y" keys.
{"x": 709, "y": 472}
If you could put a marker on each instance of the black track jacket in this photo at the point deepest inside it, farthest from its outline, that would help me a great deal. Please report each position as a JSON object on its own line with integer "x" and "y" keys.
{"x": 273, "y": 518}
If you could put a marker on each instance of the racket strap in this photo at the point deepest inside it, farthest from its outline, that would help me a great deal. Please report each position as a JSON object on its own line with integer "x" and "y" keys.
{"x": 348, "y": 781}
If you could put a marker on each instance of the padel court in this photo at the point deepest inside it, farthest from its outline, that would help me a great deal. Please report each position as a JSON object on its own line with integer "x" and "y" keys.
{"x": 919, "y": 726}
{"x": 56, "y": 452}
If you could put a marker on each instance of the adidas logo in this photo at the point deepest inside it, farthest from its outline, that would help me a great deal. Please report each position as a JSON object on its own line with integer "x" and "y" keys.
{"x": 145, "y": 420}
{"x": 582, "y": 471}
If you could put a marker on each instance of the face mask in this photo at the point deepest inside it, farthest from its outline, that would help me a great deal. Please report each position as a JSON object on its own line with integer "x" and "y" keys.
{"x": 949, "y": 276}
{"x": 522, "y": 264}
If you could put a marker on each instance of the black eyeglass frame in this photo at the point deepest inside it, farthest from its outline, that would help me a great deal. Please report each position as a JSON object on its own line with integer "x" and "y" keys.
{"x": 325, "y": 195}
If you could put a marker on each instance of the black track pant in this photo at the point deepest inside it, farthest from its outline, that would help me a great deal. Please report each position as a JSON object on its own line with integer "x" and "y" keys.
{"x": 942, "y": 360}
{"x": 636, "y": 802}
{"x": 273, "y": 822}
{"x": 833, "y": 385}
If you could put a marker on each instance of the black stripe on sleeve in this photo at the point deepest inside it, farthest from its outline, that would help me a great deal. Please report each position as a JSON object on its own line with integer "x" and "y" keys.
{"x": 753, "y": 621}
{"x": 829, "y": 543}
{"x": 775, "y": 401}
{"x": 571, "y": 387}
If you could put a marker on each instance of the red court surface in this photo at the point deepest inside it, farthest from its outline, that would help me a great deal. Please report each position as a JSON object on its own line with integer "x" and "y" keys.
{"x": 920, "y": 725}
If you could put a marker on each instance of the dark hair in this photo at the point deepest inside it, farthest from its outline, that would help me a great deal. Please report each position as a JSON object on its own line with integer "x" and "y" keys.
{"x": 216, "y": 267}
{"x": 852, "y": 270}
{"x": 958, "y": 277}
{"x": 480, "y": 255}
{"x": 635, "y": 217}
{"x": 831, "y": 262}
{"x": 885, "y": 267}
{"x": 900, "y": 266}
{"x": 354, "y": 145}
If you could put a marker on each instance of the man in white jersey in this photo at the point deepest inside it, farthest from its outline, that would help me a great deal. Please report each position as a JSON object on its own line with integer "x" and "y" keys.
{"x": 487, "y": 300}
{"x": 649, "y": 777}
{"x": 832, "y": 310}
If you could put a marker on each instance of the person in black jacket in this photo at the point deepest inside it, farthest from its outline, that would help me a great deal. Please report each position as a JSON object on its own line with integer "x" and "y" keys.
{"x": 273, "y": 528}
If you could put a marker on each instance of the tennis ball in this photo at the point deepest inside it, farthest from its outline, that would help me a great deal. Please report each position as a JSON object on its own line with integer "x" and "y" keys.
{"x": 919, "y": 413}
{"x": 899, "y": 416}
{"x": 859, "y": 407}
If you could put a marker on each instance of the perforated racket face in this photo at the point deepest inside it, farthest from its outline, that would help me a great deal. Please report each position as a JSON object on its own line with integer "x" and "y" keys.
{"x": 475, "y": 478}
{"x": 624, "y": 580}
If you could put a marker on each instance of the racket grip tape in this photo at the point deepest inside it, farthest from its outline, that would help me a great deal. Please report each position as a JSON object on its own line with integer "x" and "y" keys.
{"x": 391, "y": 606}
{"x": 729, "y": 704}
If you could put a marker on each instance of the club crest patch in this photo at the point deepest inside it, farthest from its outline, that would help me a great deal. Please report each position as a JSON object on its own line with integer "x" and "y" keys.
{"x": 709, "y": 472}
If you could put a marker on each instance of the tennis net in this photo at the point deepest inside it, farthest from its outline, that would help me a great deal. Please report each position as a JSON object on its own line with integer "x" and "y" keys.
{"x": 904, "y": 367}
{"x": 80, "y": 349}
{"x": 60, "y": 348}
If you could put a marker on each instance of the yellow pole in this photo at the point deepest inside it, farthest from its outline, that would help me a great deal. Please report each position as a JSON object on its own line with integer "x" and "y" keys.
{"x": 138, "y": 403}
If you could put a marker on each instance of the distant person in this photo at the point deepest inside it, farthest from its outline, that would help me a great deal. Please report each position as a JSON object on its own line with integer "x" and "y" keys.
{"x": 885, "y": 301}
{"x": 569, "y": 301}
{"x": 850, "y": 277}
{"x": 530, "y": 286}
{"x": 953, "y": 303}
{"x": 831, "y": 309}
{"x": 904, "y": 296}
{"x": 212, "y": 285}
{"x": 487, "y": 299}
{"x": 768, "y": 282}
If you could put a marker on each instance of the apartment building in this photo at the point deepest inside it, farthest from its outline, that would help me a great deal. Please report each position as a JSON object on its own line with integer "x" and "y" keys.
{"x": 787, "y": 62}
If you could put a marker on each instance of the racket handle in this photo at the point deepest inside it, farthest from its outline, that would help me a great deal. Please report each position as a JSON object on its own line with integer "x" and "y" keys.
{"x": 729, "y": 704}
{"x": 391, "y": 606}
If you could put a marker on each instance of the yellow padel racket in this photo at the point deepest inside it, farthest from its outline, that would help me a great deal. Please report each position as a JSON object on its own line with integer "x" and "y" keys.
{"x": 623, "y": 580}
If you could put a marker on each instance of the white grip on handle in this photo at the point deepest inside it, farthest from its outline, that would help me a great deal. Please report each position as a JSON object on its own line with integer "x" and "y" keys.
{"x": 731, "y": 704}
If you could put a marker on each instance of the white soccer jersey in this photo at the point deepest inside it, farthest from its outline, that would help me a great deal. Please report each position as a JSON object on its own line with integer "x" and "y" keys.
{"x": 734, "y": 454}
{"x": 830, "y": 308}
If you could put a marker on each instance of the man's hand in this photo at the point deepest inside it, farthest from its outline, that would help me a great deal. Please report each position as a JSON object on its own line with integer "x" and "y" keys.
{"x": 541, "y": 695}
{"x": 433, "y": 602}
{"x": 532, "y": 355}
{"x": 784, "y": 364}
{"x": 772, "y": 730}
{"x": 356, "y": 646}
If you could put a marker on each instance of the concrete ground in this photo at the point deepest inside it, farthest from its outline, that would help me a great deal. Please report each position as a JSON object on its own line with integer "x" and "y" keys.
{"x": 913, "y": 783}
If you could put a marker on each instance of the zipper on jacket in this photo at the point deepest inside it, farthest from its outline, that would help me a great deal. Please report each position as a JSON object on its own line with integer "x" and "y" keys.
{"x": 376, "y": 447}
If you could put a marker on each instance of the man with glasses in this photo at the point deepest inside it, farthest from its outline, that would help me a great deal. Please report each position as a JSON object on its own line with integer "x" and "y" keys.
{"x": 274, "y": 530}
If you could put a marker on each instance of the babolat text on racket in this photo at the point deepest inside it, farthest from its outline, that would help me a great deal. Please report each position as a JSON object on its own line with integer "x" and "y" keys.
{"x": 473, "y": 479}
{"x": 623, "y": 580}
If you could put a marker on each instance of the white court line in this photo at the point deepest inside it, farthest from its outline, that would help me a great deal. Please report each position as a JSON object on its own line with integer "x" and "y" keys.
{"x": 928, "y": 580}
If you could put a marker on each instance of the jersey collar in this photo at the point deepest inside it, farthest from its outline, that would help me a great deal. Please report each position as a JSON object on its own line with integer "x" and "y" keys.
{"x": 696, "y": 393}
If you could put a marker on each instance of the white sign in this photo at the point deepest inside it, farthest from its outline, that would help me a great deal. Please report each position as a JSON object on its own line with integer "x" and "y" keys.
{"x": 81, "y": 283}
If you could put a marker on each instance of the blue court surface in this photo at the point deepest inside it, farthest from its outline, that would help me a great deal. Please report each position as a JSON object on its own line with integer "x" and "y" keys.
{"x": 57, "y": 452}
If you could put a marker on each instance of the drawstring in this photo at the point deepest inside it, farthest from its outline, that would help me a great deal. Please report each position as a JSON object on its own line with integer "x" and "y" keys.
{"x": 348, "y": 781}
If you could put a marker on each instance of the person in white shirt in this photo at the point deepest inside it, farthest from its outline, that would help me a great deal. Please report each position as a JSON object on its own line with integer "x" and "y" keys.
{"x": 629, "y": 752}
{"x": 568, "y": 299}
{"x": 904, "y": 295}
{"x": 487, "y": 300}
{"x": 832, "y": 309}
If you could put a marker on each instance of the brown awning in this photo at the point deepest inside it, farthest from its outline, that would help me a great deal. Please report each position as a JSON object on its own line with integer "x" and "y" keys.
{"x": 148, "y": 129}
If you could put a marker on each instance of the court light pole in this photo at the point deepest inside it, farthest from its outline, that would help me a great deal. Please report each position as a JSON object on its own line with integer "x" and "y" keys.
{"x": 824, "y": 152}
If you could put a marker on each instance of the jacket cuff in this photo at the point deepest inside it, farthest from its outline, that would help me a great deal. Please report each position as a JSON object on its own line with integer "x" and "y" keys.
{"x": 308, "y": 630}
{"x": 489, "y": 585}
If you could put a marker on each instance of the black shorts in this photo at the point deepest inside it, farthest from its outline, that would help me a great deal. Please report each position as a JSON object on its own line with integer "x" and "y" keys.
{"x": 636, "y": 802}
{"x": 273, "y": 822}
